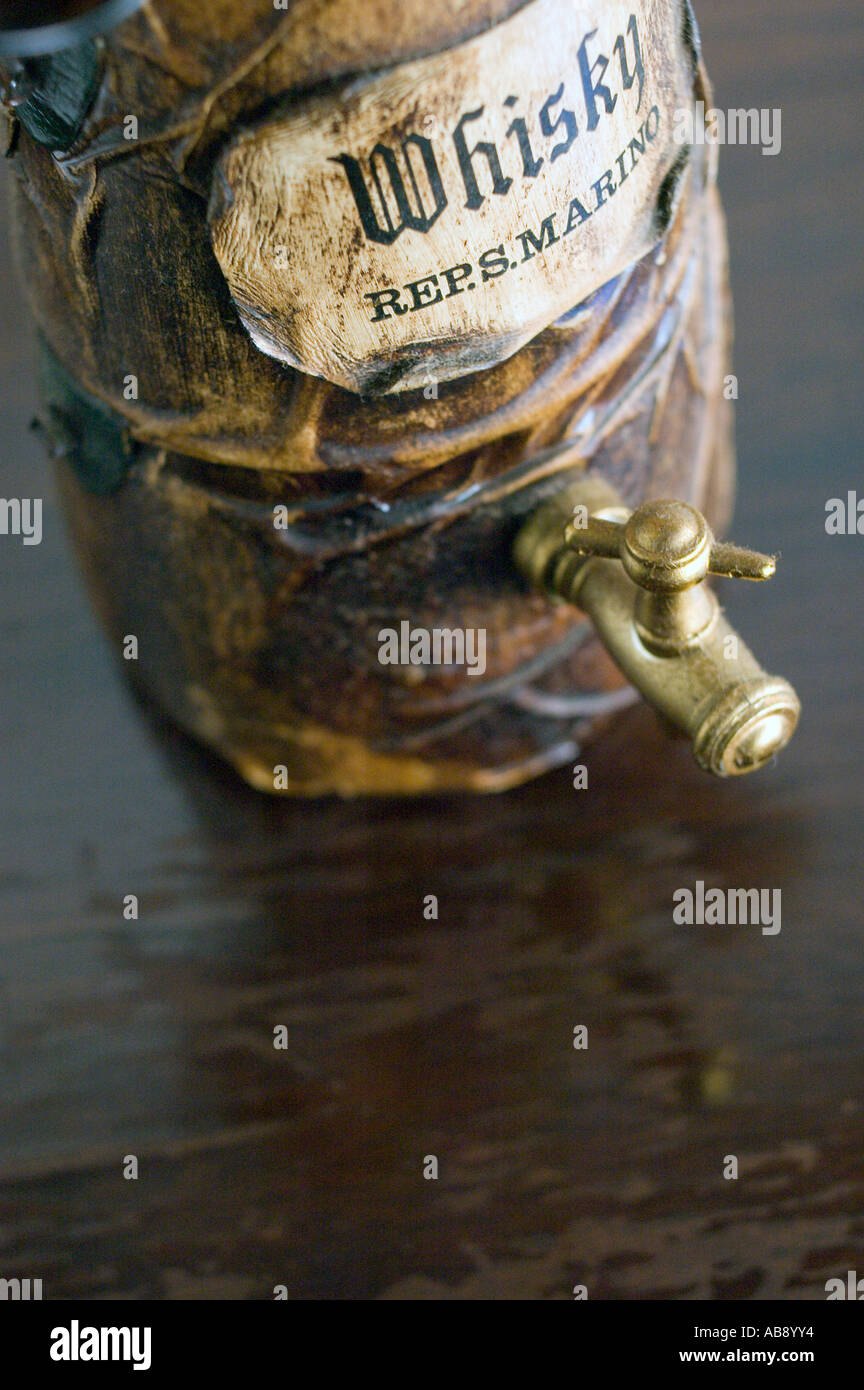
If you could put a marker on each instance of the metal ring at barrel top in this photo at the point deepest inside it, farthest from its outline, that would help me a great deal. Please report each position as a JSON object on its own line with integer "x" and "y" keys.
{"x": 29, "y": 30}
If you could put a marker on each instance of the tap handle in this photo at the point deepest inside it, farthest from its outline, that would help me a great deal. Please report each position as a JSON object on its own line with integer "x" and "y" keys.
{"x": 665, "y": 546}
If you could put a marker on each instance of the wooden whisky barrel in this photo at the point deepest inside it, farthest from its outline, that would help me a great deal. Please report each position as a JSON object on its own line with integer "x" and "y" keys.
{"x": 285, "y": 425}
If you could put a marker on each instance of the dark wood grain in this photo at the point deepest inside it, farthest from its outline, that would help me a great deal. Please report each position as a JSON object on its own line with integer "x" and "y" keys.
{"x": 407, "y": 1038}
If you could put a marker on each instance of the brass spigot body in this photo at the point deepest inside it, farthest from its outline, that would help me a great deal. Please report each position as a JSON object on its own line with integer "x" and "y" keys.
{"x": 640, "y": 576}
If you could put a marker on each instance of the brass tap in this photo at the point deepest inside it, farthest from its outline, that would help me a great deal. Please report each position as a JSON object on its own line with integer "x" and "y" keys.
{"x": 640, "y": 577}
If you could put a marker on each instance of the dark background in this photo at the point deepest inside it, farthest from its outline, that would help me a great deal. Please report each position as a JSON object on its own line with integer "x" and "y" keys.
{"x": 454, "y": 1038}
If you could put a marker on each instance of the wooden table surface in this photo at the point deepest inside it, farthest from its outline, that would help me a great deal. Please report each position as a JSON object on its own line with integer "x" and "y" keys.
{"x": 304, "y": 1166}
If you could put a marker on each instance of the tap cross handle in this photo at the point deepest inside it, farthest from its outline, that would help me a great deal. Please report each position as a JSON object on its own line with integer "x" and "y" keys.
{"x": 665, "y": 546}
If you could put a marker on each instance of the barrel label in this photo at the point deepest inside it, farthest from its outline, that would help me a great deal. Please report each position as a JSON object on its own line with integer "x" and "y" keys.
{"x": 429, "y": 221}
